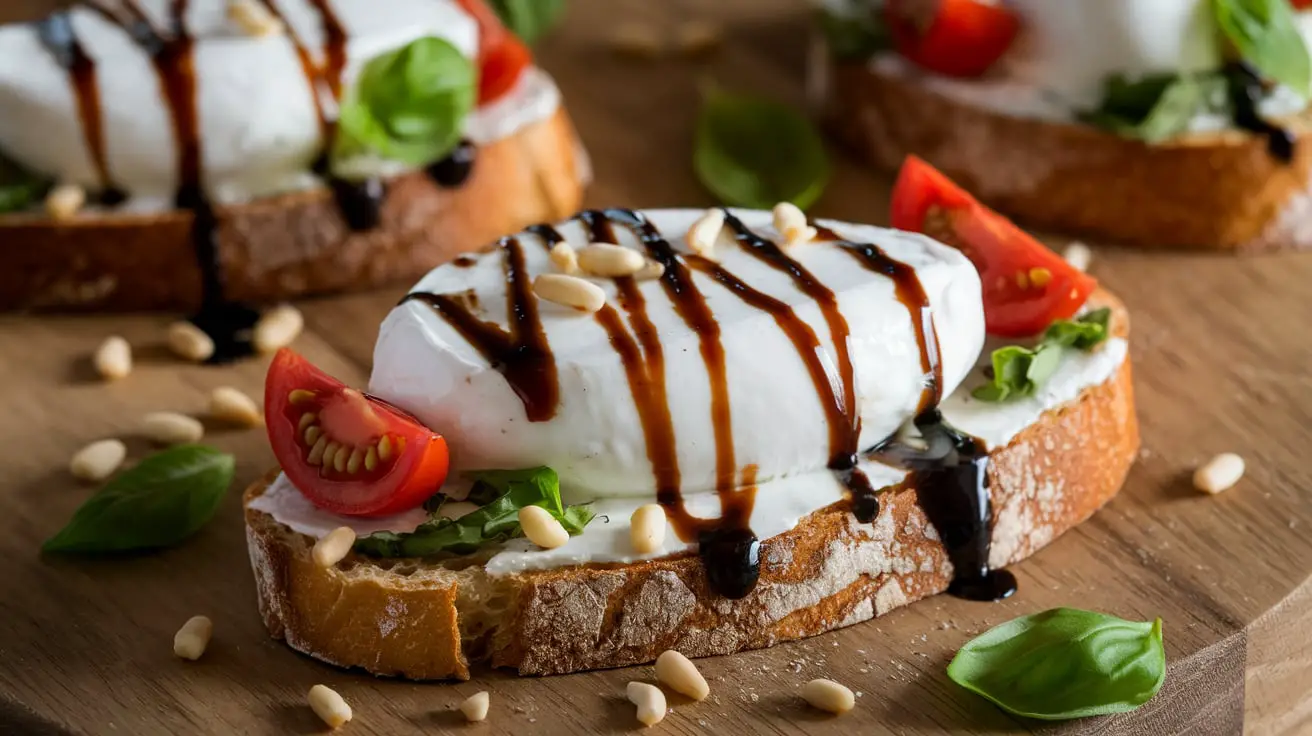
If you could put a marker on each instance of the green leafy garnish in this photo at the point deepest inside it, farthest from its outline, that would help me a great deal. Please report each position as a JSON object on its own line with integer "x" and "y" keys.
{"x": 754, "y": 152}
{"x": 1064, "y": 663}
{"x": 529, "y": 19}
{"x": 408, "y": 105}
{"x": 500, "y": 495}
{"x": 19, "y": 188}
{"x": 1265, "y": 33}
{"x": 1157, "y": 107}
{"x": 1019, "y": 371}
{"x": 163, "y": 500}
{"x": 856, "y": 35}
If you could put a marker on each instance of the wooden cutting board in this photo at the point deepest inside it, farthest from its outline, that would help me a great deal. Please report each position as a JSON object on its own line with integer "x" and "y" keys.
{"x": 1222, "y": 358}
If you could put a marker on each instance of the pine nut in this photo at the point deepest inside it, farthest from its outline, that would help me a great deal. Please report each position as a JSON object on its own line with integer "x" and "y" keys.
{"x": 651, "y": 270}
{"x": 647, "y": 528}
{"x": 277, "y": 328}
{"x": 333, "y": 547}
{"x": 254, "y": 19}
{"x": 610, "y": 260}
{"x": 828, "y": 695}
{"x": 113, "y": 359}
{"x": 569, "y": 291}
{"x": 475, "y": 706}
{"x": 188, "y": 341}
{"x": 704, "y": 233}
{"x": 650, "y": 701}
{"x": 790, "y": 222}
{"x": 64, "y": 201}
{"x": 541, "y": 527}
{"x": 1078, "y": 255}
{"x": 98, "y": 460}
{"x": 1219, "y": 473}
{"x": 227, "y": 404}
{"x": 329, "y": 706}
{"x": 193, "y": 637}
{"x": 564, "y": 257}
{"x": 698, "y": 37}
{"x": 680, "y": 675}
{"x": 636, "y": 41}
{"x": 171, "y": 428}
{"x": 456, "y": 509}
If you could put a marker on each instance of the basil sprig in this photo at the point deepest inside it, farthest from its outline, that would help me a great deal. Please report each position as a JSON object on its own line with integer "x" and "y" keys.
{"x": 529, "y": 19}
{"x": 408, "y": 105}
{"x": 1265, "y": 33}
{"x": 19, "y": 188}
{"x": 1157, "y": 107}
{"x": 1019, "y": 371}
{"x": 856, "y": 34}
{"x": 754, "y": 152}
{"x": 500, "y": 495}
{"x": 1064, "y": 663}
{"x": 158, "y": 503}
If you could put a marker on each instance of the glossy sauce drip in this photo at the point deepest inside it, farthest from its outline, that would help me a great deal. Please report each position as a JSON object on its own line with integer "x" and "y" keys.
{"x": 455, "y": 168}
{"x": 522, "y": 353}
{"x": 59, "y": 39}
{"x": 1246, "y": 93}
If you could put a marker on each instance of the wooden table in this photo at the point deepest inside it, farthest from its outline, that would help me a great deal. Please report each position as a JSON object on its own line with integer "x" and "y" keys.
{"x": 1221, "y": 354}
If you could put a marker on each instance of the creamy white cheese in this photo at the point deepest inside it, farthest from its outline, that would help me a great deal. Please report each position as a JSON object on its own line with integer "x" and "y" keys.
{"x": 258, "y": 124}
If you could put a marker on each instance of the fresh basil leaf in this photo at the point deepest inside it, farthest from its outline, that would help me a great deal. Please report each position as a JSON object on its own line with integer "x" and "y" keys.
{"x": 1064, "y": 663}
{"x": 500, "y": 495}
{"x": 1019, "y": 371}
{"x": 1265, "y": 33}
{"x": 1084, "y": 332}
{"x": 754, "y": 152}
{"x": 408, "y": 105}
{"x": 529, "y": 19}
{"x": 1043, "y": 363}
{"x": 158, "y": 503}
{"x": 19, "y": 188}
{"x": 856, "y": 35}
{"x": 1157, "y": 107}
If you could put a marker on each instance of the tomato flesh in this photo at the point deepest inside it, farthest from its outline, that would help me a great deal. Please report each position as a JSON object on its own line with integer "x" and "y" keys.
{"x": 1026, "y": 286}
{"x": 348, "y": 452}
{"x": 502, "y": 58}
{"x": 958, "y": 38}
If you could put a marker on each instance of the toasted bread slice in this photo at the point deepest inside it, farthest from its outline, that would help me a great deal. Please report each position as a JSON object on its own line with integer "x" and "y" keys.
{"x": 431, "y": 620}
{"x": 1221, "y": 191}
{"x": 293, "y": 244}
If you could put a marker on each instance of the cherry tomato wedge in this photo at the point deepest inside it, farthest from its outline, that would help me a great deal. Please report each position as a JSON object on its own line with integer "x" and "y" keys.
{"x": 502, "y": 57}
{"x": 1301, "y": 4}
{"x": 959, "y": 38}
{"x": 348, "y": 452}
{"x": 1026, "y": 286}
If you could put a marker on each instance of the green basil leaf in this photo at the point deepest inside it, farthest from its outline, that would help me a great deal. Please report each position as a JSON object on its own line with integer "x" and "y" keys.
{"x": 1265, "y": 33}
{"x": 19, "y": 188}
{"x": 408, "y": 105}
{"x": 158, "y": 503}
{"x": 529, "y": 19}
{"x": 1019, "y": 371}
{"x": 1157, "y": 107}
{"x": 1064, "y": 663}
{"x": 1084, "y": 333}
{"x": 1043, "y": 363}
{"x": 500, "y": 495}
{"x": 856, "y": 35}
{"x": 753, "y": 152}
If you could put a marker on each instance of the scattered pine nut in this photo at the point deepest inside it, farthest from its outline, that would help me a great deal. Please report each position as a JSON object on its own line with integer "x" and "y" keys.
{"x": 569, "y": 291}
{"x": 1220, "y": 473}
{"x": 636, "y": 41}
{"x": 681, "y": 675}
{"x": 698, "y": 37}
{"x": 704, "y": 233}
{"x": 254, "y": 19}
{"x": 333, "y": 547}
{"x": 193, "y": 637}
{"x": 113, "y": 359}
{"x": 828, "y": 695}
{"x": 647, "y": 528}
{"x": 651, "y": 270}
{"x": 541, "y": 527}
{"x": 564, "y": 257}
{"x": 64, "y": 201}
{"x": 610, "y": 260}
{"x": 475, "y": 706}
{"x": 650, "y": 701}
{"x": 227, "y": 404}
{"x": 172, "y": 428}
{"x": 98, "y": 460}
{"x": 790, "y": 222}
{"x": 188, "y": 341}
{"x": 277, "y": 328}
{"x": 1078, "y": 255}
{"x": 329, "y": 706}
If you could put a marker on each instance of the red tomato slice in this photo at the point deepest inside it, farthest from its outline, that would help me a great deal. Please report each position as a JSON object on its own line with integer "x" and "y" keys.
{"x": 348, "y": 452}
{"x": 1301, "y": 4}
{"x": 959, "y": 38}
{"x": 1026, "y": 286}
{"x": 502, "y": 57}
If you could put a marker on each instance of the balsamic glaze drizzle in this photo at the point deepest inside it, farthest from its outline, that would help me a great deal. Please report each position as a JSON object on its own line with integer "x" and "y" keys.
{"x": 1246, "y": 92}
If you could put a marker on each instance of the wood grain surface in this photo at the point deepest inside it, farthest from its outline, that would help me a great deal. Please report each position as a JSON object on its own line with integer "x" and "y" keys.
{"x": 1222, "y": 356}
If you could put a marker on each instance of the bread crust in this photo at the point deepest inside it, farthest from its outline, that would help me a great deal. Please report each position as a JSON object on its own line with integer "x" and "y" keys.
{"x": 1217, "y": 191}
{"x": 293, "y": 244}
{"x": 405, "y": 618}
